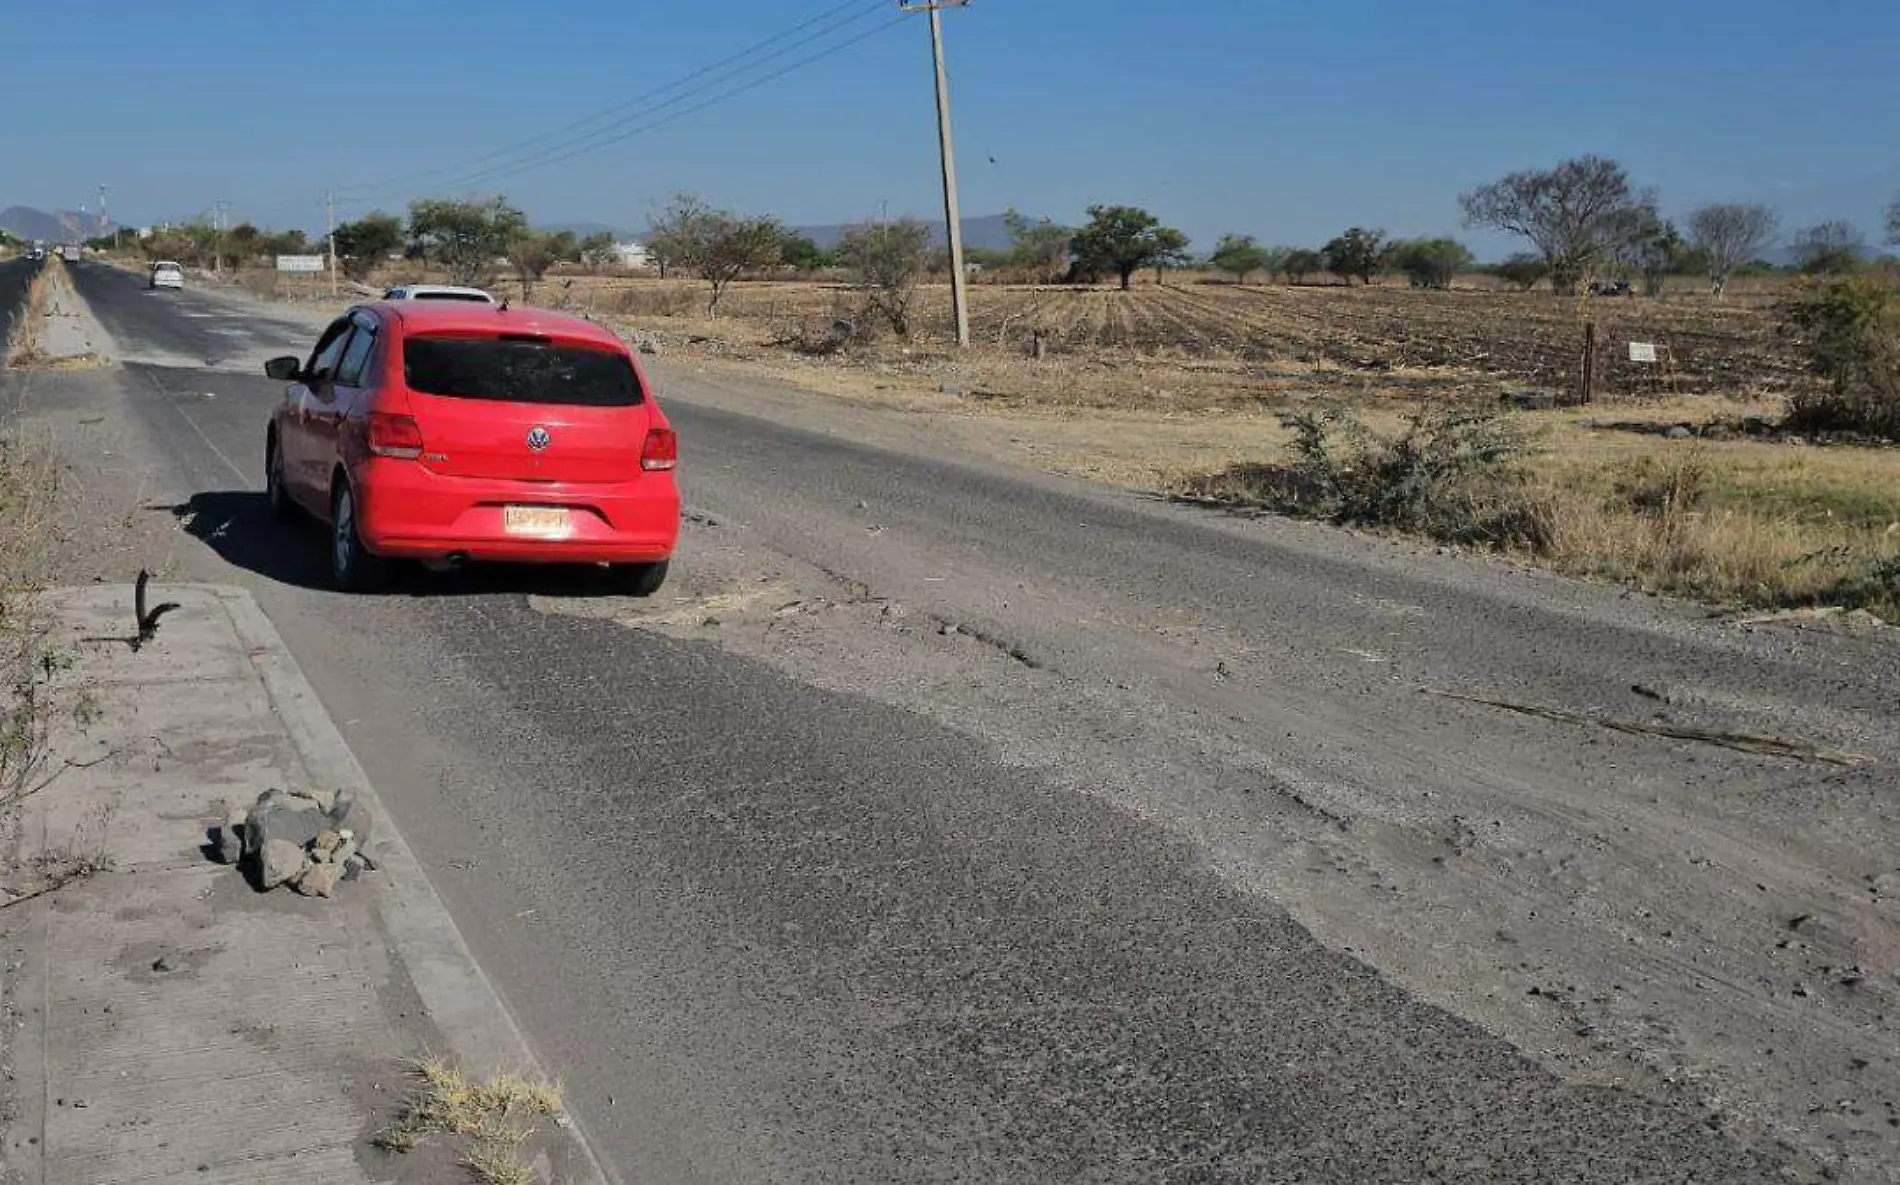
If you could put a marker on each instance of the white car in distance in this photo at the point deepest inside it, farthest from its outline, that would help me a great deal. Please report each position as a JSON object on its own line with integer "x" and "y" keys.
{"x": 166, "y": 274}
{"x": 439, "y": 292}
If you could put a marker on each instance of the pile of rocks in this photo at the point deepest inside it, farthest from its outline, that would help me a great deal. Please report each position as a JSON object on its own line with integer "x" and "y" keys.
{"x": 308, "y": 839}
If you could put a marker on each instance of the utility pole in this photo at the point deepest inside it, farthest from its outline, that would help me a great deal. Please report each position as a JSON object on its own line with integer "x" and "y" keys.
{"x": 104, "y": 221}
{"x": 329, "y": 234}
{"x": 953, "y": 220}
{"x": 217, "y": 227}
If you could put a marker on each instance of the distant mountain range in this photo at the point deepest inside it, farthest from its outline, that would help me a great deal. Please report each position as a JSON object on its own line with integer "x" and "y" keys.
{"x": 987, "y": 233}
{"x": 58, "y": 227}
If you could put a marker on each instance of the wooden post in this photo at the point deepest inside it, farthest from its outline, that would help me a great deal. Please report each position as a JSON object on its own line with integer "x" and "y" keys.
{"x": 1589, "y": 361}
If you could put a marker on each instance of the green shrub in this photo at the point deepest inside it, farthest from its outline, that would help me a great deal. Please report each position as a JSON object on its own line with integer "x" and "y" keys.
{"x": 1849, "y": 327}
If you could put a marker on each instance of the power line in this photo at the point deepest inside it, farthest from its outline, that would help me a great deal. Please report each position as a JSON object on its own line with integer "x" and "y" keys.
{"x": 579, "y": 146}
{"x": 619, "y": 112}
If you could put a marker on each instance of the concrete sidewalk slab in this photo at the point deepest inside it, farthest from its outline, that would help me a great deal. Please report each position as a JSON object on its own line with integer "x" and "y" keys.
{"x": 168, "y": 1022}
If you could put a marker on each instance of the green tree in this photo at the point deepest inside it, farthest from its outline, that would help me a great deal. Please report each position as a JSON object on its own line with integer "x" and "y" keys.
{"x": 599, "y": 250}
{"x": 364, "y": 244}
{"x": 801, "y": 254}
{"x": 464, "y": 238}
{"x": 717, "y": 244}
{"x": 284, "y": 242}
{"x": 1302, "y": 262}
{"x": 1239, "y": 256}
{"x": 241, "y": 243}
{"x": 1039, "y": 247}
{"x": 1849, "y": 326}
{"x": 1522, "y": 271}
{"x": 1430, "y": 263}
{"x": 533, "y": 252}
{"x": 1123, "y": 240}
{"x": 1572, "y": 214}
{"x": 888, "y": 259}
{"x": 1651, "y": 247}
{"x": 1358, "y": 252}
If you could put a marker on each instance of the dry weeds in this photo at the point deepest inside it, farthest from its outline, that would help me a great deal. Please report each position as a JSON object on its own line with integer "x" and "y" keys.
{"x": 496, "y": 1118}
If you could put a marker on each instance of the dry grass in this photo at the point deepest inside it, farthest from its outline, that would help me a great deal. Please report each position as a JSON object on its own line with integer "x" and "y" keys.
{"x": 23, "y": 340}
{"x": 30, "y": 660}
{"x": 1717, "y": 524}
{"x": 496, "y": 1118}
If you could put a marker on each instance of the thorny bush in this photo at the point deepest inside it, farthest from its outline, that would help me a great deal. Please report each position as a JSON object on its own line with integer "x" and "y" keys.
{"x": 1455, "y": 474}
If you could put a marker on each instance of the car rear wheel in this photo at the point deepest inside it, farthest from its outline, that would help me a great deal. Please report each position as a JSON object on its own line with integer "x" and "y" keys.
{"x": 275, "y": 495}
{"x": 640, "y": 580}
{"x": 352, "y": 567}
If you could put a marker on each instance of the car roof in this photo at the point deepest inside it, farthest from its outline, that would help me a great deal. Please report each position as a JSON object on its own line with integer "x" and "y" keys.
{"x": 455, "y": 316}
{"x": 166, "y": 263}
{"x": 414, "y": 290}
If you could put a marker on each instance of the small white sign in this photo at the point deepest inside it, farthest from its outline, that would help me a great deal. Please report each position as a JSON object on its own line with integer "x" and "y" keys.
{"x": 300, "y": 263}
{"x": 1643, "y": 352}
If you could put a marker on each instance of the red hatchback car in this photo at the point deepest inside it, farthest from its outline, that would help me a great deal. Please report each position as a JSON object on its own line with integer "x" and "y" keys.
{"x": 451, "y": 432}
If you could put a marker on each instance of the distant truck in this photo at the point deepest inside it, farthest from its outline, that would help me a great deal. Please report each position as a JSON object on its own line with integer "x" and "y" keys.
{"x": 69, "y": 252}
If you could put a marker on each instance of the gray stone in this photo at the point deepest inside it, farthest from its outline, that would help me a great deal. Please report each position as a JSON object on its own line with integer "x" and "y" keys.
{"x": 279, "y": 861}
{"x": 325, "y": 845}
{"x": 318, "y": 880}
{"x": 325, "y": 799}
{"x": 1679, "y": 433}
{"x": 229, "y": 841}
{"x": 279, "y": 815}
{"x": 351, "y": 816}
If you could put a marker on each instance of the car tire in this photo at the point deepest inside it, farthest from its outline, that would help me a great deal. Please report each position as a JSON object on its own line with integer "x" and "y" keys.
{"x": 353, "y": 567}
{"x": 282, "y": 507}
{"x": 640, "y": 580}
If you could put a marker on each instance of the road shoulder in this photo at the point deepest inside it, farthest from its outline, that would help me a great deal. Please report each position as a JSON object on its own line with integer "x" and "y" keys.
{"x": 172, "y": 1021}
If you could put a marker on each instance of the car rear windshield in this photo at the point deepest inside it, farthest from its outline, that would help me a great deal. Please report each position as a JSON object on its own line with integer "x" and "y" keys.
{"x": 474, "y": 296}
{"x": 520, "y": 369}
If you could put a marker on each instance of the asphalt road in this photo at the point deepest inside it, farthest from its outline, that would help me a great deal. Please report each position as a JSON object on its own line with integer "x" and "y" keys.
{"x": 946, "y": 822}
{"x": 15, "y": 276}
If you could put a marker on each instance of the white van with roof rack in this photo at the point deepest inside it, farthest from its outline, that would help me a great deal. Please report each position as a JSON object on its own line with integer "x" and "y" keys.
{"x": 439, "y": 292}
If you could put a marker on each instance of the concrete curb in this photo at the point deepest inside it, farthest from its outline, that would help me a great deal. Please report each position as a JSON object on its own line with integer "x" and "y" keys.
{"x": 459, "y": 998}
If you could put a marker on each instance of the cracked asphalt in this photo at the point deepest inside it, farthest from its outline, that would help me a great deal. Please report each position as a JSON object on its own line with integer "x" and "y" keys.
{"x": 942, "y": 821}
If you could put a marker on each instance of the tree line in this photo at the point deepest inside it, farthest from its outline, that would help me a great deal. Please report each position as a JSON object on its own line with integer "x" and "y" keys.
{"x": 1583, "y": 220}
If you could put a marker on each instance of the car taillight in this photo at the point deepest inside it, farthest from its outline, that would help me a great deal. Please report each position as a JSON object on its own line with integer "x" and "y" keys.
{"x": 662, "y": 450}
{"x": 392, "y": 435}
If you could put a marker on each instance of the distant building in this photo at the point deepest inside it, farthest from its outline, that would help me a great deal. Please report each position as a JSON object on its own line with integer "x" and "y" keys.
{"x": 633, "y": 255}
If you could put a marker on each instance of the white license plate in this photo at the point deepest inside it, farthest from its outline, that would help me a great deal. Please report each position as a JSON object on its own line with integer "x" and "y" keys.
{"x": 546, "y": 522}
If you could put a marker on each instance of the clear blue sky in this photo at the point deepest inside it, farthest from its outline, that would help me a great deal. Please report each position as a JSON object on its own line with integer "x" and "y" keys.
{"x": 1288, "y": 120}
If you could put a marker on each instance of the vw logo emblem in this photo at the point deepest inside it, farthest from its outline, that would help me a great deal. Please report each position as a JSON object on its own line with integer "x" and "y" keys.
{"x": 538, "y": 439}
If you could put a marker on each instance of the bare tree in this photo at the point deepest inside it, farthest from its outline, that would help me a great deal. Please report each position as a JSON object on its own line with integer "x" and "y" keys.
{"x": 1573, "y": 214}
{"x": 1829, "y": 248}
{"x": 1893, "y": 222}
{"x": 534, "y": 252}
{"x": 1730, "y": 236}
{"x": 888, "y": 259}
{"x": 718, "y": 244}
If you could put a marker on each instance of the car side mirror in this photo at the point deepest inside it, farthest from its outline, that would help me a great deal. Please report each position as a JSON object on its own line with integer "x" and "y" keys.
{"x": 285, "y": 369}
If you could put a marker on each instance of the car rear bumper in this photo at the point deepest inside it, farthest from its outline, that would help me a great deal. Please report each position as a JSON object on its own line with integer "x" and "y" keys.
{"x": 407, "y": 512}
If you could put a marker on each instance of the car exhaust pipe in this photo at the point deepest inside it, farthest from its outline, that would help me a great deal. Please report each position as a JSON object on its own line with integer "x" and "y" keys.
{"x": 455, "y": 561}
